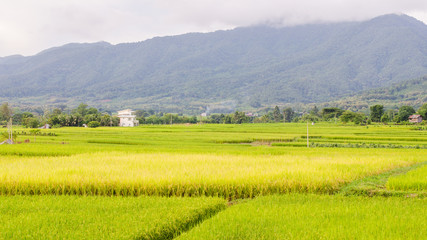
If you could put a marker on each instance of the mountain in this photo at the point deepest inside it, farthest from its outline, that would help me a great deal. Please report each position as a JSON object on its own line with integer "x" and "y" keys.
{"x": 411, "y": 92}
{"x": 247, "y": 67}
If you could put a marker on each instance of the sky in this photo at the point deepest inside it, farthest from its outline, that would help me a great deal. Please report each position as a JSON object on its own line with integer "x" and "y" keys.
{"x": 30, "y": 26}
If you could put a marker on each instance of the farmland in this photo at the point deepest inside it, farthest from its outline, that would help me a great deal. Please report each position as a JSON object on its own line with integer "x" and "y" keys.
{"x": 415, "y": 180}
{"x": 260, "y": 166}
{"x": 317, "y": 217}
{"x": 101, "y": 218}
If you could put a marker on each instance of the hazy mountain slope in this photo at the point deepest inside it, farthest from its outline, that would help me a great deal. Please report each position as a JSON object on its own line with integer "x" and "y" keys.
{"x": 251, "y": 66}
{"x": 411, "y": 92}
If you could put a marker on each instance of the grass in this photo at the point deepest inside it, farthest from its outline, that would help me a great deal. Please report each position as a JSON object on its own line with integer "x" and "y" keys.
{"x": 375, "y": 185}
{"x": 317, "y": 217}
{"x": 72, "y": 217}
{"x": 230, "y": 176}
{"x": 415, "y": 180}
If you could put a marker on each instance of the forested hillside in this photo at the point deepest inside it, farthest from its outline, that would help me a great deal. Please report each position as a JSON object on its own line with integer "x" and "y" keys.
{"x": 248, "y": 67}
{"x": 411, "y": 93}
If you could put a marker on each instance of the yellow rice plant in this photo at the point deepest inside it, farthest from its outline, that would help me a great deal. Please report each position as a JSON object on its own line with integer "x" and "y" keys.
{"x": 172, "y": 174}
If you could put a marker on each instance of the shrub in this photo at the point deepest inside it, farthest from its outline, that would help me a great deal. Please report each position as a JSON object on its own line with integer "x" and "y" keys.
{"x": 93, "y": 124}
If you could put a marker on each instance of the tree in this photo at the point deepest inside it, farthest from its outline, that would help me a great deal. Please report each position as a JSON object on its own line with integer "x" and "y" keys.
{"x": 35, "y": 132}
{"x": 377, "y": 112}
{"x": 54, "y": 120}
{"x": 239, "y": 117}
{"x": 405, "y": 112}
{"x": 358, "y": 118}
{"x": 330, "y": 113}
{"x": 288, "y": 114}
{"x": 391, "y": 113}
{"x": 19, "y": 117}
{"x": 93, "y": 124}
{"x": 349, "y": 116}
{"x": 5, "y": 112}
{"x": 314, "y": 111}
{"x": 385, "y": 118}
{"x": 30, "y": 122}
{"x": 56, "y": 112}
{"x": 81, "y": 109}
{"x": 277, "y": 116}
{"x": 423, "y": 111}
{"x": 309, "y": 117}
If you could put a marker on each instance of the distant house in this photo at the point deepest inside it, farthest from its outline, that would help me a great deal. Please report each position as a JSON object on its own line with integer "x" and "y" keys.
{"x": 46, "y": 126}
{"x": 249, "y": 114}
{"x": 415, "y": 118}
{"x": 127, "y": 118}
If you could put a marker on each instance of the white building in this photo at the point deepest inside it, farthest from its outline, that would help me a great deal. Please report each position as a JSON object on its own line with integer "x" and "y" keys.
{"x": 127, "y": 118}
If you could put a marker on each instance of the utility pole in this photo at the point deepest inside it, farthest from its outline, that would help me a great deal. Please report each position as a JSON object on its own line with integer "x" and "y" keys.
{"x": 9, "y": 130}
{"x": 307, "y": 135}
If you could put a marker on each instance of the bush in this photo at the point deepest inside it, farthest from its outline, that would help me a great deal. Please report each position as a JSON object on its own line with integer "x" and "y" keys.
{"x": 93, "y": 124}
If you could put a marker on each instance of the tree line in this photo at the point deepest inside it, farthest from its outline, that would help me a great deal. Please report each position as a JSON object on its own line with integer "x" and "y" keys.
{"x": 93, "y": 117}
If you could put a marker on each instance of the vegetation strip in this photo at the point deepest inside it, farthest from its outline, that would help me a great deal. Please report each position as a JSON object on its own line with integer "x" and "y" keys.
{"x": 74, "y": 217}
{"x": 168, "y": 174}
{"x": 307, "y": 216}
{"x": 376, "y": 184}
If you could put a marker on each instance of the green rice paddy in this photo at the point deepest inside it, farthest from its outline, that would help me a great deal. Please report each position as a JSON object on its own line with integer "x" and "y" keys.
{"x": 415, "y": 180}
{"x": 156, "y": 182}
{"x": 317, "y": 217}
{"x": 73, "y": 217}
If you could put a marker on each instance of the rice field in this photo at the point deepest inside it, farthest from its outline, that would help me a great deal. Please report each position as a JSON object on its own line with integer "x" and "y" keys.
{"x": 166, "y": 174}
{"x": 73, "y": 217}
{"x": 317, "y": 217}
{"x": 209, "y": 138}
{"x": 415, "y": 180}
{"x": 78, "y": 183}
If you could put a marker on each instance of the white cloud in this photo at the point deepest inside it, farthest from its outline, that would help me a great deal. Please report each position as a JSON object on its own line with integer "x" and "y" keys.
{"x": 27, "y": 26}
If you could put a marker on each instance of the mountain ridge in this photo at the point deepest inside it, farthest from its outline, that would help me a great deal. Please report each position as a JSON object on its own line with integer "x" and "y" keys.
{"x": 249, "y": 66}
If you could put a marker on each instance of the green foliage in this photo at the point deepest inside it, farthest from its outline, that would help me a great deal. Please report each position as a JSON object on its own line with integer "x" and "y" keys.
{"x": 309, "y": 117}
{"x": 349, "y": 116}
{"x": 314, "y": 111}
{"x": 410, "y": 92}
{"x": 288, "y": 114}
{"x": 93, "y": 124}
{"x": 330, "y": 113}
{"x": 377, "y": 111}
{"x": 423, "y": 111}
{"x": 81, "y": 109}
{"x": 35, "y": 132}
{"x": 5, "y": 112}
{"x": 277, "y": 115}
{"x": 385, "y": 118}
{"x": 405, "y": 112}
{"x": 30, "y": 122}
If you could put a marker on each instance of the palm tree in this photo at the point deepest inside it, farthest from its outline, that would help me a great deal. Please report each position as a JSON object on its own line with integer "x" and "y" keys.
{"x": 35, "y": 132}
